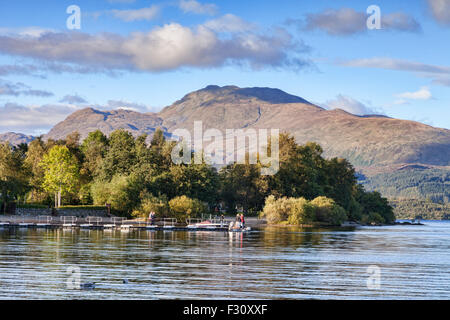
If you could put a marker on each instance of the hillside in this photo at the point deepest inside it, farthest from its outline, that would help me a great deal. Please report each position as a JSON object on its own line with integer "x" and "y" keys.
{"x": 88, "y": 120}
{"x": 15, "y": 138}
{"x": 403, "y": 159}
{"x": 365, "y": 141}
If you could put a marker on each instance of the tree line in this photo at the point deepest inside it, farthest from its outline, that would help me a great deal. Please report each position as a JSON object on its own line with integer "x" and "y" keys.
{"x": 137, "y": 177}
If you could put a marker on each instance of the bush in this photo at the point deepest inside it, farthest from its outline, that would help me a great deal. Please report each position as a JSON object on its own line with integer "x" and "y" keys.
{"x": 149, "y": 203}
{"x": 302, "y": 212}
{"x": 276, "y": 210}
{"x": 184, "y": 207}
{"x": 328, "y": 211}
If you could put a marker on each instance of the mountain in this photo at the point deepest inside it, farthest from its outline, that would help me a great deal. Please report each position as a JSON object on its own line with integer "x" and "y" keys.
{"x": 15, "y": 138}
{"x": 365, "y": 141}
{"x": 88, "y": 120}
{"x": 400, "y": 158}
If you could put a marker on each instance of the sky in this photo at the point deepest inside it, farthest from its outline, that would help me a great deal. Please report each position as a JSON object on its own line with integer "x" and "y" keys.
{"x": 145, "y": 55}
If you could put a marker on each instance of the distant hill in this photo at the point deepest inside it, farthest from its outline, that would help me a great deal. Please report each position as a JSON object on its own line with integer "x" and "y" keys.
{"x": 15, "y": 138}
{"x": 88, "y": 120}
{"x": 400, "y": 158}
{"x": 365, "y": 141}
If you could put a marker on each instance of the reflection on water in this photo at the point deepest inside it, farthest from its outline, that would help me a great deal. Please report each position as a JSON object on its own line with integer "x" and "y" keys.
{"x": 271, "y": 263}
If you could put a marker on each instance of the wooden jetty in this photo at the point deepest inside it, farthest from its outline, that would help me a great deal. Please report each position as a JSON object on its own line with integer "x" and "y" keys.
{"x": 104, "y": 223}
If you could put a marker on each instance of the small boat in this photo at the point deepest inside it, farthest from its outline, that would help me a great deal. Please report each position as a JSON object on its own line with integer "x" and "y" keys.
{"x": 236, "y": 227}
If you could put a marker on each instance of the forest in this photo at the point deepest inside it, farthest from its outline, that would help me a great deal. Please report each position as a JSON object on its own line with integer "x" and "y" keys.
{"x": 136, "y": 177}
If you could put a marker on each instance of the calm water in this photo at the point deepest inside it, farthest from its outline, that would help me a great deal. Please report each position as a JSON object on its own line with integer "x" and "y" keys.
{"x": 272, "y": 263}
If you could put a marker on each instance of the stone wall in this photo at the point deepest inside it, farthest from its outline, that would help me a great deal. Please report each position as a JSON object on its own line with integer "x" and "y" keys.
{"x": 33, "y": 211}
{"x": 83, "y": 212}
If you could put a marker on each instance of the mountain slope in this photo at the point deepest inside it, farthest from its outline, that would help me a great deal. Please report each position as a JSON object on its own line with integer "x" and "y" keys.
{"x": 88, "y": 120}
{"x": 15, "y": 138}
{"x": 365, "y": 141}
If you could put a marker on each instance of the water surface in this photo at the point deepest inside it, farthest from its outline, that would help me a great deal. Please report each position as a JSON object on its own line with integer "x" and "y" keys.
{"x": 271, "y": 263}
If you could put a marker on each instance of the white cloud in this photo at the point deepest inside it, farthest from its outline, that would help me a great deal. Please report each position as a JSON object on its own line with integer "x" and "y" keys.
{"x": 25, "y": 32}
{"x": 133, "y": 106}
{"x": 229, "y": 23}
{"x": 440, "y": 10}
{"x": 16, "y": 89}
{"x": 192, "y": 6}
{"x": 348, "y": 21}
{"x": 163, "y": 48}
{"x": 73, "y": 99}
{"x": 438, "y": 74}
{"x": 32, "y": 119}
{"x": 422, "y": 94}
{"x": 138, "y": 14}
{"x": 350, "y": 105}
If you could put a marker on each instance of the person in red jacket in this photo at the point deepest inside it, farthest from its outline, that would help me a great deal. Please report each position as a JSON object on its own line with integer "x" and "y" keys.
{"x": 242, "y": 221}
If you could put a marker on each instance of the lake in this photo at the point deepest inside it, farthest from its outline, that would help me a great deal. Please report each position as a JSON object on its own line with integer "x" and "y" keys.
{"x": 389, "y": 262}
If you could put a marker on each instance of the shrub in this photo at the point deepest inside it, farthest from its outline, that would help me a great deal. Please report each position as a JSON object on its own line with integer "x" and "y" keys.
{"x": 149, "y": 203}
{"x": 302, "y": 211}
{"x": 184, "y": 207}
{"x": 276, "y": 210}
{"x": 328, "y": 211}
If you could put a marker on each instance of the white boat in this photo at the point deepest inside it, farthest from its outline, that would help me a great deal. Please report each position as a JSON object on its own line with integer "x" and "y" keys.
{"x": 207, "y": 225}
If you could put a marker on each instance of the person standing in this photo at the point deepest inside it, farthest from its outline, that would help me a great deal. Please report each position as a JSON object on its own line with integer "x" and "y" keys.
{"x": 242, "y": 221}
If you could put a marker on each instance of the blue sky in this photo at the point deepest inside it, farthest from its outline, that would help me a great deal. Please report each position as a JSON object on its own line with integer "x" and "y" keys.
{"x": 145, "y": 55}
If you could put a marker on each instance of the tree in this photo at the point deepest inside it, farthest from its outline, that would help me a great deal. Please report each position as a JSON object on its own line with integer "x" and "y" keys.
{"x": 94, "y": 148}
{"x": 243, "y": 185}
{"x": 328, "y": 211}
{"x": 184, "y": 208}
{"x": 121, "y": 155}
{"x": 13, "y": 174}
{"x": 150, "y": 203}
{"x": 122, "y": 192}
{"x": 61, "y": 172}
{"x": 199, "y": 181}
{"x": 299, "y": 174}
{"x": 35, "y": 153}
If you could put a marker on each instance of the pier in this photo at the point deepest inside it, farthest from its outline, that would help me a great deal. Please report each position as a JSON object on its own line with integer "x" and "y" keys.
{"x": 105, "y": 223}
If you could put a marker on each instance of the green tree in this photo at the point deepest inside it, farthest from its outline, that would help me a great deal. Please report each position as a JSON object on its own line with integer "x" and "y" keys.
{"x": 151, "y": 203}
{"x": 94, "y": 148}
{"x": 328, "y": 211}
{"x": 13, "y": 174}
{"x": 184, "y": 208}
{"x": 61, "y": 172}
{"x": 121, "y": 155}
{"x": 122, "y": 192}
